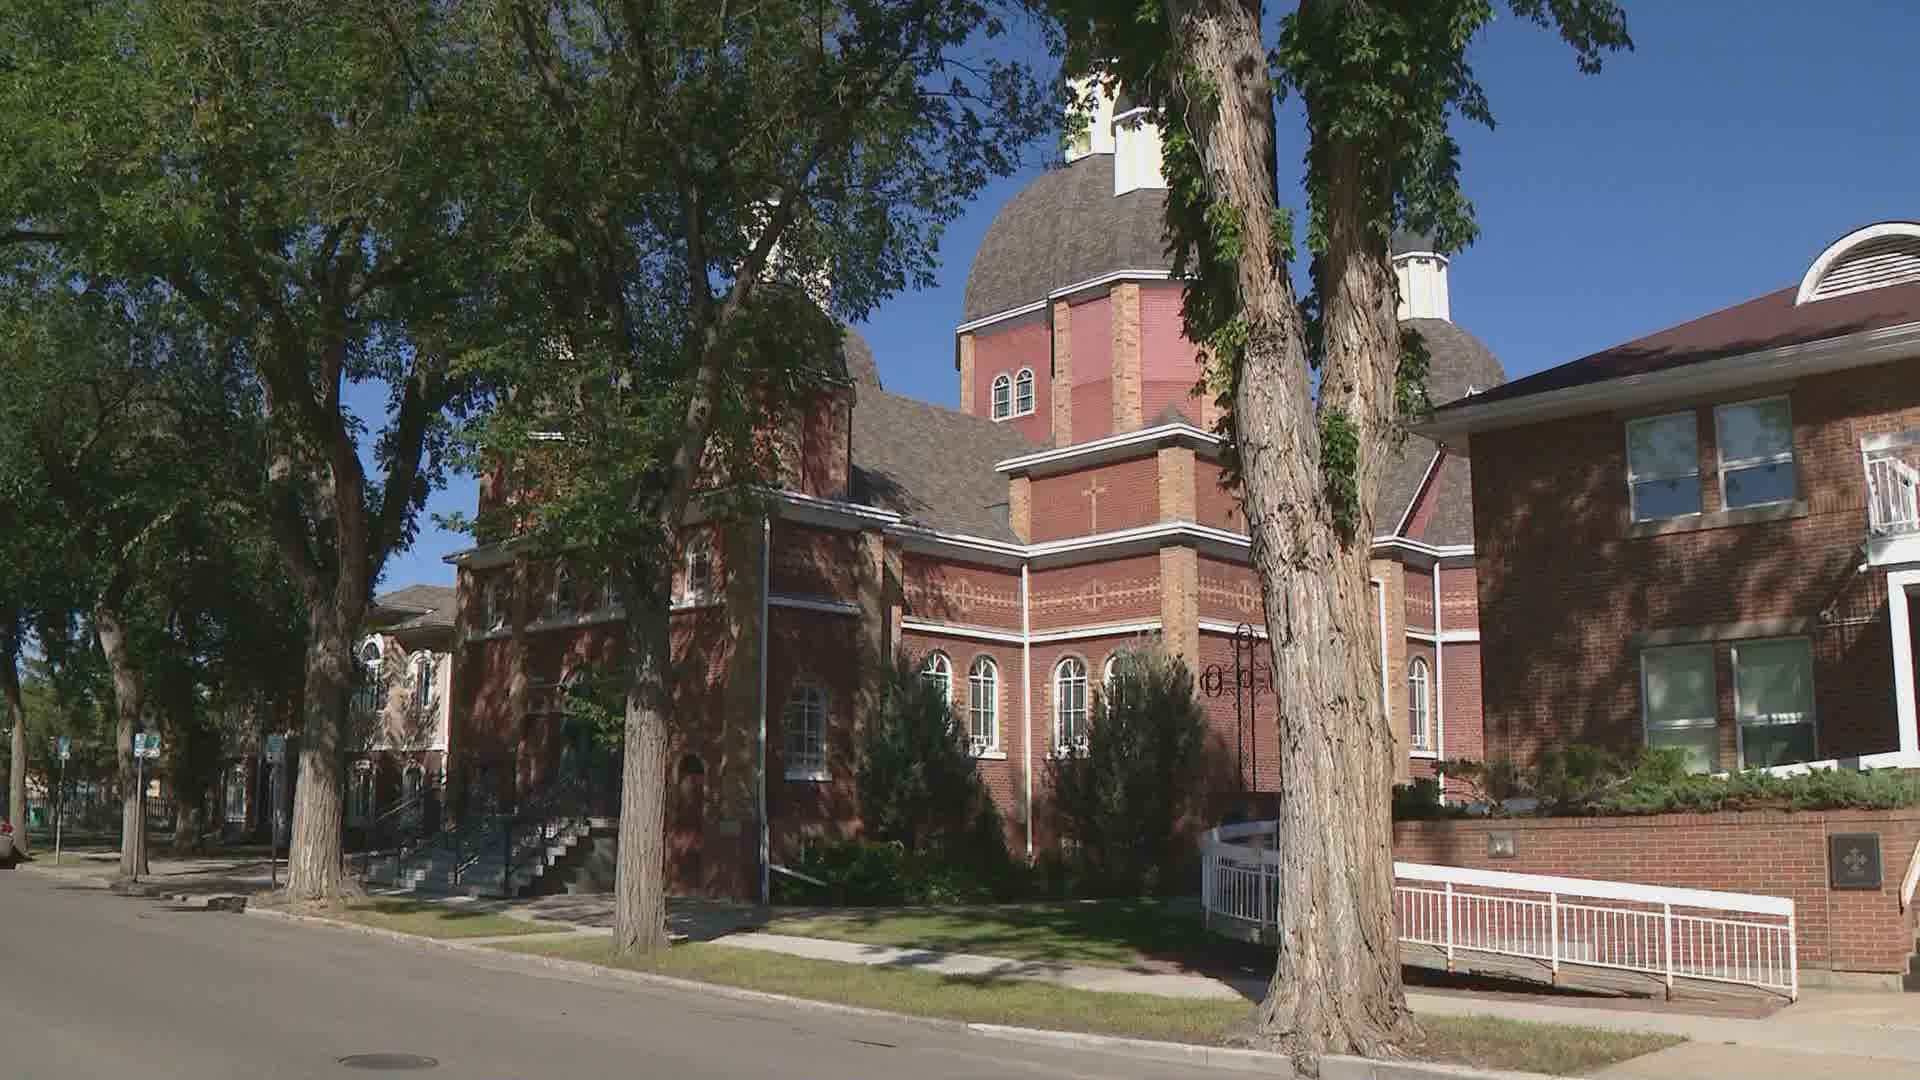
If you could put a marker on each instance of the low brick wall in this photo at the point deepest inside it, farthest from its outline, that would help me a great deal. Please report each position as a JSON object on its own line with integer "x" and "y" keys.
{"x": 1774, "y": 853}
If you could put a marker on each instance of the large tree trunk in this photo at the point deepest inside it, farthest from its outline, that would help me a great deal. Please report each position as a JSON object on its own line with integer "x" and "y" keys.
{"x": 111, "y": 630}
{"x": 314, "y": 850}
{"x": 1336, "y": 983}
{"x": 640, "y": 876}
{"x": 17, "y": 760}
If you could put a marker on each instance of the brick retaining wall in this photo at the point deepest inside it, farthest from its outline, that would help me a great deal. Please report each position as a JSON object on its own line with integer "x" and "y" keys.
{"x": 1774, "y": 853}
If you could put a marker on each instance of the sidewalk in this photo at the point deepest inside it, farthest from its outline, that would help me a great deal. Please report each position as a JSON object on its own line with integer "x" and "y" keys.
{"x": 194, "y": 876}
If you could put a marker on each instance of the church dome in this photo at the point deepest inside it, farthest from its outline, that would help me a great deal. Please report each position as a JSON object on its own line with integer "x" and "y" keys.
{"x": 1065, "y": 227}
{"x": 861, "y": 367}
{"x": 1458, "y": 363}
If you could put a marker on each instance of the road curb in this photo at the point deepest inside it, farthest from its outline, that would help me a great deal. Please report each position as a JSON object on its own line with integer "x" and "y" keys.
{"x": 1332, "y": 1067}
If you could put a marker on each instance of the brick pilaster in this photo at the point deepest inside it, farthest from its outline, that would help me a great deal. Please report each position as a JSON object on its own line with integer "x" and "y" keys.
{"x": 1126, "y": 357}
{"x": 1180, "y": 603}
{"x": 1062, "y": 373}
{"x": 870, "y": 590}
{"x": 1020, "y": 508}
{"x": 964, "y": 361}
{"x": 1393, "y": 577}
{"x": 1177, "y": 492}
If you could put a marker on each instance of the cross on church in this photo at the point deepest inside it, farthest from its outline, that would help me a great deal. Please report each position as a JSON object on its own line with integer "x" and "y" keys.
{"x": 1093, "y": 492}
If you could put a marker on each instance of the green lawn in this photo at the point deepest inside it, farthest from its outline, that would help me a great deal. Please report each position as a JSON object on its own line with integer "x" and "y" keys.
{"x": 1481, "y": 1041}
{"x": 1101, "y": 933}
{"x": 442, "y": 920}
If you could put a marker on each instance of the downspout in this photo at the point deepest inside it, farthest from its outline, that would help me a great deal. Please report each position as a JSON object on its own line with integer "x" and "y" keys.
{"x": 760, "y": 738}
{"x": 1026, "y": 703}
{"x": 1439, "y": 687}
{"x": 1380, "y": 603}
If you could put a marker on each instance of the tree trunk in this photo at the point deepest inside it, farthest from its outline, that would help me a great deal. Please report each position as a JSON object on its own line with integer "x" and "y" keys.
{"x": 127, "y": 701}
{"x": 17, "y": 761}
{"x": 314, "y": 847}
{"x": 640, "y": 877}
{"x": 189, "y": 825}
{"x": 1336, "y": 983}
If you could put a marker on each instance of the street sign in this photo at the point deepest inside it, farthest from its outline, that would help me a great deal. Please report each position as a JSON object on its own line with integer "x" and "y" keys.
{"x": 63, "y": 747}
{"x": 276, "y": 748}
{"x": 146, "y": 744}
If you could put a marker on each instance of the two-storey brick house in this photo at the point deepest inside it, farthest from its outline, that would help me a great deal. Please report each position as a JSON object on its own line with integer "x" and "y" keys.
{"x": 1707, "y": 538}
{"x": 1071, "y": 504}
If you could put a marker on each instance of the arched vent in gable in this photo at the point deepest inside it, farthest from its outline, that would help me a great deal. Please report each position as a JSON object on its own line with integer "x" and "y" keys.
{"x": 1869, "y": 258}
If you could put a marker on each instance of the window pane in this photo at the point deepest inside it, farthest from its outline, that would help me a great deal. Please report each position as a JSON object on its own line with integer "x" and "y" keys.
{"x": 1666, "y": 498}
{"x": 1680, "y": 685}
{"x": 1663, "y": 446}
{"x": 1702, "y": 745}
{"x": 1761, "y": 429}
{"x": 1759, "y": 484}
{"x": 1774, "y": 679}
{"x": 1765, "y": 745}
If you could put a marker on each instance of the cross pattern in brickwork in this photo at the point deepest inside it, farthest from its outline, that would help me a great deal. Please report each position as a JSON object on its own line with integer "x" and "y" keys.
{"x": 1093, "y": 491}
{"x": 1242, "y": 596}
{"x": 1097, "y": 595}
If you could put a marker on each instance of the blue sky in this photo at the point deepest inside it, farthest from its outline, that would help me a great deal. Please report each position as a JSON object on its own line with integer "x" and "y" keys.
{"x": 1707, "y": 167}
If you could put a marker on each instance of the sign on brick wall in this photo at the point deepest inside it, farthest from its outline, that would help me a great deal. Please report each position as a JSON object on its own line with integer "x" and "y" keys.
{"x": 1853, "y": 860}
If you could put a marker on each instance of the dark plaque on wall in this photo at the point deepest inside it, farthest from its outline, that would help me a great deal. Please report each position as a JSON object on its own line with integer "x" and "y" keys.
{"x": 1853, "y": 860}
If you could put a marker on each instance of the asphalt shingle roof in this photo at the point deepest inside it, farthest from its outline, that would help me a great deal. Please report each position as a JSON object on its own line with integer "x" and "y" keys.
{"x": 932, "y": 465}
{"x": 1458, "y": 363}
{"x": 418, "y": 606}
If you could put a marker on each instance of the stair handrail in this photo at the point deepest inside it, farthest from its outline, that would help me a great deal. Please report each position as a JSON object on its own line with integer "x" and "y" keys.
{"x": 1912, "y": 880}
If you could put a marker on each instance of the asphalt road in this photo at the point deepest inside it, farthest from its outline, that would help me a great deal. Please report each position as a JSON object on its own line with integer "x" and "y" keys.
{"x": 95, "y": 985}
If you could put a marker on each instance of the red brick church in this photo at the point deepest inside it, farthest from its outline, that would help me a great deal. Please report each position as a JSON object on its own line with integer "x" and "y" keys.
{"x": 1070, "y": 505}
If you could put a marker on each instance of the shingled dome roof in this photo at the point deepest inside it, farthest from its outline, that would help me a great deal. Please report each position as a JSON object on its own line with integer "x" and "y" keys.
{"x": 861, "y": 367}
{"x": 1457, "y": 364}
{"x": 1066, "y": 227}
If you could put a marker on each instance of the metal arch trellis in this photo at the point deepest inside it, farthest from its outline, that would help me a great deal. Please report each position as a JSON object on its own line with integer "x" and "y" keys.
{"x": 1247, "y": 679}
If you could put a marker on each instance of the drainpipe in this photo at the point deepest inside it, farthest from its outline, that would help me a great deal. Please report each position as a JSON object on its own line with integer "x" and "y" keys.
{"x": 1026, "y": 703}
{"x": 1380, "y": 604}
{"x": 1439, "y": 686}
{"x": 760, "y": 738}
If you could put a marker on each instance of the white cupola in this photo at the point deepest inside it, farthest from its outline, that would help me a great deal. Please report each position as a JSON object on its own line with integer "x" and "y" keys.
{"x": 1119, "y": 127}
{"x": 1420, "y": 273}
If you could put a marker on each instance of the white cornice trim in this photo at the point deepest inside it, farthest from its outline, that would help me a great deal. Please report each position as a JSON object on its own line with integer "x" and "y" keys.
{"x": 1141, "y": 626}
{"x": 1040, "y": 459}
{"x": 926, "y": 538}
{"x": 835, "y": 508}
{"x": 1725, "y": 374}
{"x": 976, "y": 633}
{"x": 1422, "y": 548}
{"x": 1064, "y": 290}
{"x": 802, "y": 603}
{"x": 1447, "y": 637}
{"x": 1221, "y": 626}
{"x": 1166, "y": 530}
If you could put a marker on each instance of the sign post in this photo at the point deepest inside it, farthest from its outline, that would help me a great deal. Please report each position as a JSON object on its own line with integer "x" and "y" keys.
{"x": 146, "y": 744}
{"x": 63, "y": 749}
{"x": 277, "y": 754}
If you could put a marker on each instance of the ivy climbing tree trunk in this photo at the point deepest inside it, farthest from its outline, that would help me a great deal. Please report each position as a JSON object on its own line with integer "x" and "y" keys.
{"x": 1336, "y": 982}
{"x": 109, "y": 625}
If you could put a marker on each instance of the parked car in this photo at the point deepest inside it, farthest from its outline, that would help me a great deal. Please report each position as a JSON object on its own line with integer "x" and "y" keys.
{"x": 7, "y": 856}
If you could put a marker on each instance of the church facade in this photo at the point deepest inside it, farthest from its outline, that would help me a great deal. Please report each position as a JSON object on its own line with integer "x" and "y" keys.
{"x": 1072, "y": 504}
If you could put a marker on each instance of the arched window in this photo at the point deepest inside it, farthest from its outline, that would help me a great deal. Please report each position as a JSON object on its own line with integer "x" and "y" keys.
{"x": 495, "y": 607}
{"x": 938, "y": 670}
{"x": 699, "y": 570}
{"x": 412, "y": 780}
{"x": 805, "y": 718}
{"x": 1023, "y": 392}
{"x": 373, "y": 678}
{"x": 1002, "y": 397}
{"x": 1419, "y": 706}
{"x": 983, "y": 706}
{"x": 236, "y": 795}
{"x": 426, "y": 681}
{"x": 1070, "y": 704}
{"x": 360, "y": 794}
{"x": 560, "y": 600}
{"x": 1108, "y": 670}
{"x": 370, "y": 652}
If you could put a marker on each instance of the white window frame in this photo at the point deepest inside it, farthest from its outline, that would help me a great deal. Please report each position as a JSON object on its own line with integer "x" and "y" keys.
{"x": 561, "y": 602}
{"x": 1725, "y": 466}
{"x": 238, "y": 776}
{"x": 426, "y": 681}
{"x": 938, "y": 669}
{"x": 360, "y": 807}
{"x": 495, "y": 604}
{"x": 698, "y": 588}
{"x": 1062, "y": 683}
{"x": 1711, "y": 723}
{"x": 1001, "y": 400}
{"x": 1420, "y": 710}
{"x": 804, "y": 725}
{"x": 1634, "y": 480}
{"x": 372, "y": 658}
{"x": 413, "y": 769}
{"x": 1812, "y": 719}
{"x": 1024, "y": 395}
{"x": 983, "y": 706}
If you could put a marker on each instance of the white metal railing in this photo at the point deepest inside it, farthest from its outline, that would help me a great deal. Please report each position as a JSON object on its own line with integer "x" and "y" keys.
{"x": 1655, "y": 930}
{"x": 1911, "y": 882}
{"x": 1893, "y": 483}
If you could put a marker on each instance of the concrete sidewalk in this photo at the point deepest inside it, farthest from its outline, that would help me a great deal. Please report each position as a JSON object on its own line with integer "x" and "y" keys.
{"x": 199, "y": 876}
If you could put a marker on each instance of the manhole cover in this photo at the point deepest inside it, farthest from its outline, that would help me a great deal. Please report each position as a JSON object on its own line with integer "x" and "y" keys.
{"x": 389, "y": 1062}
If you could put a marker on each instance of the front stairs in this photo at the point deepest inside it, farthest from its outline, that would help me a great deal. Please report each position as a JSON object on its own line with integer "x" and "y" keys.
{"x": 479, "y": 860}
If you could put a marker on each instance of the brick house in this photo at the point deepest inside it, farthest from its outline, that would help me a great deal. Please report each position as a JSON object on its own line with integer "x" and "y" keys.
{"x": 1706, "y": 538}
{"x": 1071, "y": 504}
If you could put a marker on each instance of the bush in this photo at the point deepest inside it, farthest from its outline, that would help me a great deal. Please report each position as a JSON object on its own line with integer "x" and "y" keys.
{"x": 1420, "y": 801}
{"x": 867, "y": 873}
{"x": 915, "y": 773}
{"x": 1120, "y": 798}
